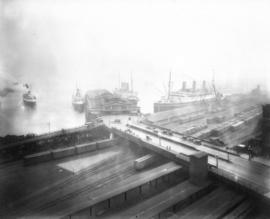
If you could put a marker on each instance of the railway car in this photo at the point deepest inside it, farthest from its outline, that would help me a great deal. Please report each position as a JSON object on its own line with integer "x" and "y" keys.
{"x": 144, "y": 161}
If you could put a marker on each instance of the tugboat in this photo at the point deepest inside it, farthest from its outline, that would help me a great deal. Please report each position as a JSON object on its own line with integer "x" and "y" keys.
{"x": 29, "y": 99}
{"x": 78, "y": 101}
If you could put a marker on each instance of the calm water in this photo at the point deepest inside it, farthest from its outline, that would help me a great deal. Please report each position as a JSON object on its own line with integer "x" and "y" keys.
{"x": 54, "y": 109}
{"x": 53, "y": 112}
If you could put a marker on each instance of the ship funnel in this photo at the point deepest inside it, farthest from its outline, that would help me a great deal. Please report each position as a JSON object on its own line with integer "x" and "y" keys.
{"x": 124, "y": 86}
{"x": 194, "y": 85}
{"x": 204, "y": 85}
{"x": 184, "y": 83}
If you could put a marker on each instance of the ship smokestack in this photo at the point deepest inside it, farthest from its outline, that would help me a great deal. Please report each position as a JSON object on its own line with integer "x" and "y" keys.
{"x": 124, "y": 86}
{"x": 194, "y": 85}
{"x": 184, "y": 84}
{"x": 266, "y": 128}
{"x": 204, "y": 85}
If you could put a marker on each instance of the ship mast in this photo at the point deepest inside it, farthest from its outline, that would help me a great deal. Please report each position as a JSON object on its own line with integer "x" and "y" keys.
{"x": 119, "y": 83}
{"x": 217, "y": 94}
{"x": 213, "y": 83}
{"x": 169, "y": 86}
{"x": 131, "y": 82}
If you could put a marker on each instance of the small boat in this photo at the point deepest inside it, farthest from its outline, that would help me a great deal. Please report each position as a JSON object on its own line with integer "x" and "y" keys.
{"x": 78, "y": 101}
{"x": 29, "y": 99}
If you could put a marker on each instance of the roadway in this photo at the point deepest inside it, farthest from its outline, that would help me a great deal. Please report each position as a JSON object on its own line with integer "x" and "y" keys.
{"x": 252, "y": 175}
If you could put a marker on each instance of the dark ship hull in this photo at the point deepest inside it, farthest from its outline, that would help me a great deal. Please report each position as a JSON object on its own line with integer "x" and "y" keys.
{"x": 78, "y": 101}
{"x": 159, "y": 107}
{"x": 79, "y": 107}
{"x": 29, "y": 99}
{"x": 29, "y": 103}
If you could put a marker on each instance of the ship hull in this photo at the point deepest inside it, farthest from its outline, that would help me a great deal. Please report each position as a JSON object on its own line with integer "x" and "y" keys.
{"x": 79, "y": 107}
{"x": 159, "y": 107}
{"x": 29, "y": 103}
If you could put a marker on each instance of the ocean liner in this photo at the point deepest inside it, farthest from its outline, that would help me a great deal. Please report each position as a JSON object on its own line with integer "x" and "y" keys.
{"x": 186, "y": 96}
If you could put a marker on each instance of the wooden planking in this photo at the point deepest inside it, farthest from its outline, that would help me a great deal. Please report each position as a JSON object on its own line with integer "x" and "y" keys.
{"x": 99, "y": 192}
{"x": 225, "y": 207}
{"x": 197, "y": 204}
{"x": 86, "y": 177}
{"x": 160, "y": 202}
{"x": 240, "y": 211}
{"x": 213, "y": 205}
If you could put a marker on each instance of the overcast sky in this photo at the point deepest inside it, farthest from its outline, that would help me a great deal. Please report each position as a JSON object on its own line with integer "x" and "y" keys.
{"x": 58, "y": 43}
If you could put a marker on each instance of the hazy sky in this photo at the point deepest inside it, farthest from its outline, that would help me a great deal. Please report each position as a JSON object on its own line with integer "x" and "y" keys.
{"x": 56, "y": 43}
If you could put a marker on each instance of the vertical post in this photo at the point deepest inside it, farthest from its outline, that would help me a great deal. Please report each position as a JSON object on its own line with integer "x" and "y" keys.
{"x": 198, "y": 168}
{"x": 228, "y": 158}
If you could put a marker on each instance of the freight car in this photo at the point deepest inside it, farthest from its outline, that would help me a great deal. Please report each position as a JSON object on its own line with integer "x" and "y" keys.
{"x": 144, "y": 161}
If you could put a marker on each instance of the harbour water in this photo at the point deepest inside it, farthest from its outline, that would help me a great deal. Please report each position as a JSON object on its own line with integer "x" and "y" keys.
{"x": 53, "y": 112}
{"x": 54, "y": 109}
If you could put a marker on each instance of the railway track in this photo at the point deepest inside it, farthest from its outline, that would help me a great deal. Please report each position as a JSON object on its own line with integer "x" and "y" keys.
{"x": 78, "y": 184}
{"x": 127, "y": 172}
{"x": 79, "y": 176}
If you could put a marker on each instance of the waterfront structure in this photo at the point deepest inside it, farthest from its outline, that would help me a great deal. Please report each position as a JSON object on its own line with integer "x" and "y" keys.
{"x": 102, "y": 102}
